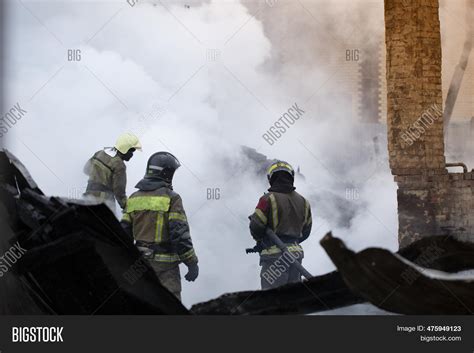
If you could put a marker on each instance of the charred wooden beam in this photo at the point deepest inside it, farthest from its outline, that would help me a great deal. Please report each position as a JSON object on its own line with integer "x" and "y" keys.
{"x": 395, "y": 284}
{"x": 320, "y": 293}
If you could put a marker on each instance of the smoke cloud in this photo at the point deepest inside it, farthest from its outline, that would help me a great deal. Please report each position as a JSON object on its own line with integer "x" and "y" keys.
{"x": 201, "y": 79}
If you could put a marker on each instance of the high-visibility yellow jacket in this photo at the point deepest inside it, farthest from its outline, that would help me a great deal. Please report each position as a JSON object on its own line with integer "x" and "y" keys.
{"x": 157, "y": 220}
{"x": 287, "y": 214}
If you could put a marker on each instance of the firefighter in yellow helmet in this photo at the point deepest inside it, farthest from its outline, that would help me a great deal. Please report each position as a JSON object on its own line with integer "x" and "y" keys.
{"x": 107, "y": 172}
{"x": 288, "y": 214}
{"x": 156, "y": 219}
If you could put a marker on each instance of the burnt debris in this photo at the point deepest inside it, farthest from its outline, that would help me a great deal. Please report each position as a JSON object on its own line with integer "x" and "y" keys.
{"x": 393, "y": 283}
{"x": 373, "y": 275}
{"x": 78, "y": 260}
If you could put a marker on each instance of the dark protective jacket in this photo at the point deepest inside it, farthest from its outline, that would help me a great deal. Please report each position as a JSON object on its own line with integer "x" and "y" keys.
{"x": 107, "y": 177}
{"x": 156, "y": 218}
{"x": 287, "y": 213}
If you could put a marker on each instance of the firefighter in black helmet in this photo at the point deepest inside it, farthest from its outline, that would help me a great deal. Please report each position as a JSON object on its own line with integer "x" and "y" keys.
{"x": 288, "y": 214}
{"x": 156, "y": 218}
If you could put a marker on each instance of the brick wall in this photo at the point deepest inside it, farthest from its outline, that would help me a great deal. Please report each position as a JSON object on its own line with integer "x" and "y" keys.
{"x": 431, "y": 201}
{"x": 435, "y": 205}
{"x": 413, "y": 44}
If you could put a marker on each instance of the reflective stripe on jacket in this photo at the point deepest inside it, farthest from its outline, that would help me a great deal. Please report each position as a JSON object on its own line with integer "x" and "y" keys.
{"x": 287, "y": 214}
{"x": 158, "y": 218}
{"x": 107, "y": 175}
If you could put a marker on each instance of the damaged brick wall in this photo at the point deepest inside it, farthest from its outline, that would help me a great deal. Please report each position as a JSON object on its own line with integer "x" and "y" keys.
{"x": 435, "y": 205}
{"x": 431, "y": 201}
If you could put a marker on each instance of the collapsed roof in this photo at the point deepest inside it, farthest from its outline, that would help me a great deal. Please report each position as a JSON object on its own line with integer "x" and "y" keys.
{"x": 79, "y": 261}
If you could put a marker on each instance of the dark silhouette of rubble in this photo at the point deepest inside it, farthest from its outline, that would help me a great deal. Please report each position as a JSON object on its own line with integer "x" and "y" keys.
{"x": 79, "y": 261}
{"x": 78, "y": 258}
{"x": 332, "y": 291}
{"x": 394, "y": 284}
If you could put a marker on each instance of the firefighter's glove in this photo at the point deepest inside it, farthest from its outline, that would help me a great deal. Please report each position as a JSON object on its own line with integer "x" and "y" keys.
{"x": 193, "y": 272}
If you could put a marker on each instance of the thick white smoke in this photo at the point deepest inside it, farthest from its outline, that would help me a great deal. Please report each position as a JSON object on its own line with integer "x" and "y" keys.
{"x": 192, "y": 81}
{"x": 199, "y": 79}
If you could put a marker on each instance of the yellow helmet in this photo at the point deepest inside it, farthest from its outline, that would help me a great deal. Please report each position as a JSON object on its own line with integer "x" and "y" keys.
{"x": 280, "y": 166}
{"x": 127, "y": 141}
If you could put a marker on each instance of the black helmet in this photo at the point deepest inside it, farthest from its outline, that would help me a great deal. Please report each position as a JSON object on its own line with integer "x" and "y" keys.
{"x": 162, "y": 165}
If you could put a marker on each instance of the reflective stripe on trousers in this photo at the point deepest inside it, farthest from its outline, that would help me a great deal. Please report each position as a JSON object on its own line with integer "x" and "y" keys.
{"x": 273, "y": 250}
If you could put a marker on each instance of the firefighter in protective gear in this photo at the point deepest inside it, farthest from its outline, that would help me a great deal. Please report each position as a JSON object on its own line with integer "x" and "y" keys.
{"x": 107, "y": 172}
{"x": 156, "y": 219}
{"x": 288, "y": 214}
